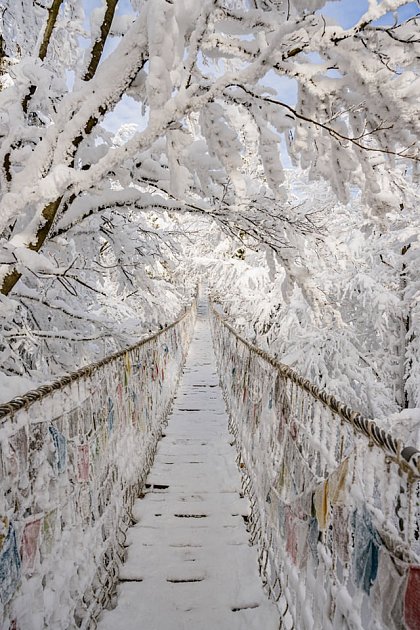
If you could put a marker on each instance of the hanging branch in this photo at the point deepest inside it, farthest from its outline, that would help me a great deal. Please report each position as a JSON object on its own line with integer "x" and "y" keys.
{"x": 332, "y": 132}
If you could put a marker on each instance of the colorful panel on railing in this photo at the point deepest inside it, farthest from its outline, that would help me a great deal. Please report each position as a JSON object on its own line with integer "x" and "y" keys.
{"x": 70, "y": 466}
{"x": 335, "y": 516}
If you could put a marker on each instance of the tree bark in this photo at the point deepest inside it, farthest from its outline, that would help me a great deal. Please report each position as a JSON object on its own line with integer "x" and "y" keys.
{"x": 99, "y": 45}
{"x": 52, "y": 19}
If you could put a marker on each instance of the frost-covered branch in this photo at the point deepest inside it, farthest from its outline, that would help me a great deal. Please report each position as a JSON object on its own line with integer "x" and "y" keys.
{"x": 238, "y": 110}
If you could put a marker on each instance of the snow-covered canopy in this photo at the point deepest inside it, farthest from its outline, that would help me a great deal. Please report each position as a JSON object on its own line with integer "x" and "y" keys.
{"x": 258, "y": 121}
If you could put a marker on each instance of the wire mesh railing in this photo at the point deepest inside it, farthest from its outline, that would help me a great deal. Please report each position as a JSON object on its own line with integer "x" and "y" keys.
{"x": 334, "y": 497}
{"x": 74, "y": 455}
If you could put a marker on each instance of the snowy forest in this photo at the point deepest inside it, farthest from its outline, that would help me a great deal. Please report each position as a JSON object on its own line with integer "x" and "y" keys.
{"x": 264, "y": 153}
{"x": 256, "y": 145}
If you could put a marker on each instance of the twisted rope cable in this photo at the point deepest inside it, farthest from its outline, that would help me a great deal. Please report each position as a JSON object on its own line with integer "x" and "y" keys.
{"x": 43, "y": 391}
{"x": 407, "y": 457}
{"x": 99, "y": 592}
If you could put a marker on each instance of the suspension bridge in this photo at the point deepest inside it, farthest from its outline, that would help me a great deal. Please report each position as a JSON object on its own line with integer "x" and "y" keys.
{"x": 134, "y": 496}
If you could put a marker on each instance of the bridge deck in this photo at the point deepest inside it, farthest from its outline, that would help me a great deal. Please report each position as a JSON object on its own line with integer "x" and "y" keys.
{"x": 189, "y": 564}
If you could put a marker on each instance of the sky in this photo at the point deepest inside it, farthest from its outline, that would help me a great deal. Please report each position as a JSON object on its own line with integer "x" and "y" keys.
{"x": 347, "y": 12}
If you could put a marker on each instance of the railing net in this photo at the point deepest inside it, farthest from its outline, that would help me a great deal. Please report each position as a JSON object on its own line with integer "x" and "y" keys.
{"x": 71, "y": 465}
{"x": 335, "y": 514}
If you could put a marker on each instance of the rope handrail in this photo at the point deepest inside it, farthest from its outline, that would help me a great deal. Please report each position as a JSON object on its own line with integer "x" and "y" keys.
{"x": 33, "y": 395}
{"x": 71, "y": 466}
{"x": 408, "y": 457}
{"x": 334, "y": 515}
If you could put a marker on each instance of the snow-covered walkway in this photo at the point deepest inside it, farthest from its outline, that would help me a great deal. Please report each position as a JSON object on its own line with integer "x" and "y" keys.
{"x": 189, "y": 564}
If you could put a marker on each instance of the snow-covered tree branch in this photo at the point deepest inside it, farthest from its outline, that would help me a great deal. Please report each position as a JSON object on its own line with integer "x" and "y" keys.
{"x": 227, "y": 97}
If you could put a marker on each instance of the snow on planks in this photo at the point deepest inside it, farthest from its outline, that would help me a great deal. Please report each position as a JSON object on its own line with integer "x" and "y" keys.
{"x": 189, "y": 564}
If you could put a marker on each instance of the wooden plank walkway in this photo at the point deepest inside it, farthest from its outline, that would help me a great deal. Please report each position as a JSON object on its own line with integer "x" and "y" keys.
{"x": 189, "y": 564}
